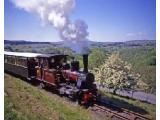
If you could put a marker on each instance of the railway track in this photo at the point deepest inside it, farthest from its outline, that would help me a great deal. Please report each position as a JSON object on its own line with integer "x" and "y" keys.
{"x": 116, "y": 113}
{"x": 112, "y": 111}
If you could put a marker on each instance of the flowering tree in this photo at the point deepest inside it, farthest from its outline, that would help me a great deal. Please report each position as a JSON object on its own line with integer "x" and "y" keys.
{"x": 115, "y": 73}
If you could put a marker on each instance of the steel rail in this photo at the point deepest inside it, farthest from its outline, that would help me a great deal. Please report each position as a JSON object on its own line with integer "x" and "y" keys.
{"x": 115, "y": 115}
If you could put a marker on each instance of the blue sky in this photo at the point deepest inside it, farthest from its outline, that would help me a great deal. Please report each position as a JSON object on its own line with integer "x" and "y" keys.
{"x": 108, "y": 20}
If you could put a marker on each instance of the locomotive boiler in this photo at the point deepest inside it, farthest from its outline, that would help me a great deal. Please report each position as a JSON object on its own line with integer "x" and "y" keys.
{"x": 53, "y": 70}
{"x": 80, "y": 82}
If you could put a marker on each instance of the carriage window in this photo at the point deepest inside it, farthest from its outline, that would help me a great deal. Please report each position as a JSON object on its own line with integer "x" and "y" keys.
{"x": 36, "y": 60}
{"x": 57, "y": 61}
{"x": 52, "y": 60}
{"x": 45, "y": 62}
{"x": 32, "y": 62}
{"x": 52, "y": 63}
{"x": 41, "y": 62}
{"x": 24, "y": 62}
{"x": 62, "y": 61}
{"x": 11, "y": 60}
{"x": 21, "y": 62}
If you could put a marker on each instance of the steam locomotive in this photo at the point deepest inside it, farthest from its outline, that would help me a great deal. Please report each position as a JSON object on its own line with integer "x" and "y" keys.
{"x": 53, "y": 70}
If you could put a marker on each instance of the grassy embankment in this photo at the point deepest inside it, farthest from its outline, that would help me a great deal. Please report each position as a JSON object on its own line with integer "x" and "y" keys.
{"x": 26, "y": 102}
{"x": 146, "y": 109}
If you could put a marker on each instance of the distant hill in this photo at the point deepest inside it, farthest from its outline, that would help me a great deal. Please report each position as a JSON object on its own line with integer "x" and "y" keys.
{"x": 141, "y": 43}
{"x": 92, "y": 43}
{"x": 126, "y": 43}
{"x": 23, "y": 42}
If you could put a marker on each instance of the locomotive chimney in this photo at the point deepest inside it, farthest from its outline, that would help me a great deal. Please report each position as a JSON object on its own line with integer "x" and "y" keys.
{"x": 85, "y": 62}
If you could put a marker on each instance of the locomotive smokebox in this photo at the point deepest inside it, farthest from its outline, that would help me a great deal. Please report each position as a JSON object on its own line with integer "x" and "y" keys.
{"x": 85, "y": 62}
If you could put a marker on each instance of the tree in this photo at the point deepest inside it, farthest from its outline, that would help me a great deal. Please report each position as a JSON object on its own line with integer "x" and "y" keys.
{"x": 96, "y": 57}
{"x": 143, "y": 85}
{"x": 115, "y": 73}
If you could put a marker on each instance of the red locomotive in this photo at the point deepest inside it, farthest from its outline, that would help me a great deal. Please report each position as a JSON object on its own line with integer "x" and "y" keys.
{"x": 53, "y": 70}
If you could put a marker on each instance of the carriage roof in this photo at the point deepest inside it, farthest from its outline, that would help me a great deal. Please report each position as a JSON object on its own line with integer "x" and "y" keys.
{"x": 31, "y": 55}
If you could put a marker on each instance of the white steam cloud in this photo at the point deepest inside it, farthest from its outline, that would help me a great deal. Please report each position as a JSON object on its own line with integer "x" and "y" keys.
{"x": 56, "y": 12}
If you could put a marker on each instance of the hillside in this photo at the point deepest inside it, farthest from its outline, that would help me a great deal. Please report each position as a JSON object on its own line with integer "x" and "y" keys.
{"x": 26, "y": 102}
{"x": 143, "y": 61}
{"x": 92, "y": 43}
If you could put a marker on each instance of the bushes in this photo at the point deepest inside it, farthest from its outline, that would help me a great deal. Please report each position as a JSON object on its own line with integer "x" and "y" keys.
{"x": 96, "y": 57}
{"x": 115, "y": 73}
{"x": 152, "y": 61}
{"x": 143, "y": 60}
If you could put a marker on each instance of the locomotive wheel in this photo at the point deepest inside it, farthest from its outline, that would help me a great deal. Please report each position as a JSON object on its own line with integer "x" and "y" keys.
{"x": 79, "y": 102}
{"x": 79, "y": 98}
{"x": 41, "y": 85}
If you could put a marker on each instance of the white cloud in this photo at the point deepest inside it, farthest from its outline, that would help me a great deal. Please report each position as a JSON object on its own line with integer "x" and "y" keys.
{"x": 136, "y": 36}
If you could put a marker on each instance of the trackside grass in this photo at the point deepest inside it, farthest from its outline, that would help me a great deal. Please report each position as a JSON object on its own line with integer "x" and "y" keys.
{"x": 26, "y": 102}
{"x": 148, "y": 110}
